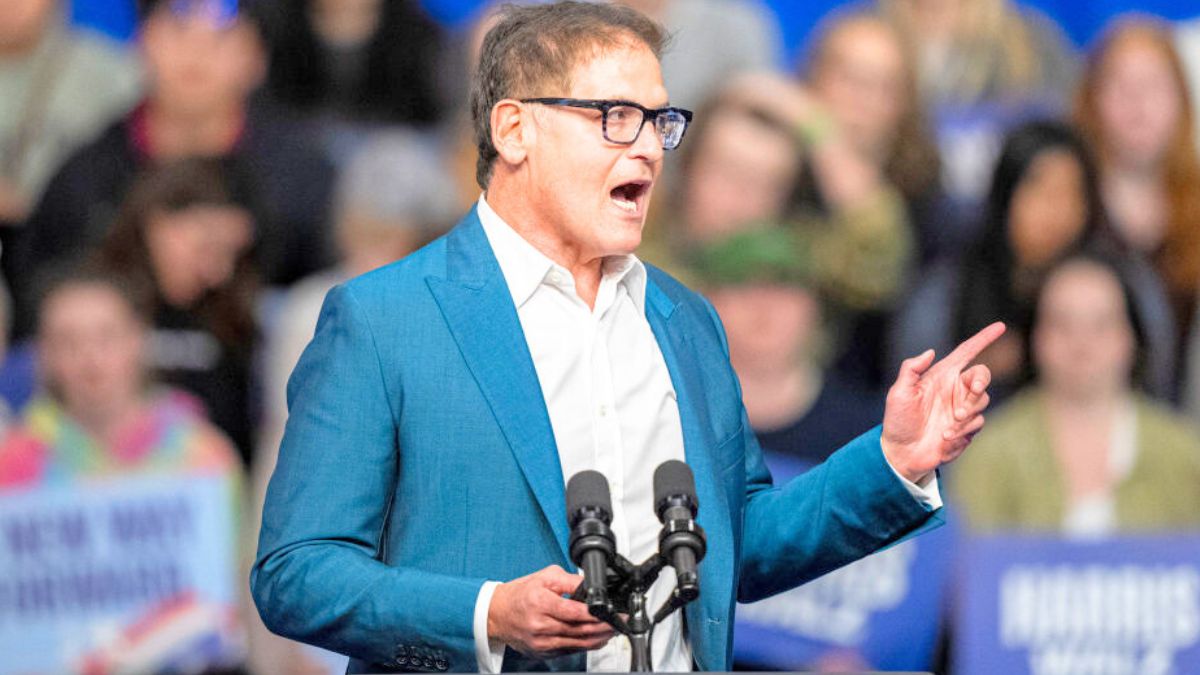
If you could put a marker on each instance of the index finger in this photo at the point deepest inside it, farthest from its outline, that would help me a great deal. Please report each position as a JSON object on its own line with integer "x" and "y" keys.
{"x": 974, "y": 345}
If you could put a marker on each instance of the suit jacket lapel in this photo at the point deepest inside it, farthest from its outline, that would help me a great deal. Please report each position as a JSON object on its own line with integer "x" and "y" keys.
{"x": 671, "y": 331}
{"x": 478, "y": 308}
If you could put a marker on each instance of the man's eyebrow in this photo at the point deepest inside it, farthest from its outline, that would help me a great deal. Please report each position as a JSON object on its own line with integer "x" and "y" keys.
{"x": 626, "y": 101}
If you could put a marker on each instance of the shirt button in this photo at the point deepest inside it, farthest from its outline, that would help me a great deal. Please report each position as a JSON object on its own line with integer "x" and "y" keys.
{"x": 603, "y": 410}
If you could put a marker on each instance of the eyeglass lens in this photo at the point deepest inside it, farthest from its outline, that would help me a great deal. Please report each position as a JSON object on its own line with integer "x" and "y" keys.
{"x": 624, "y": 122}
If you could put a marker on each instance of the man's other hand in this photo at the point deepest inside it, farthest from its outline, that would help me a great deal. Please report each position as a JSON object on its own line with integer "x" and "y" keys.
{"x": 934, "y": 409}
{"x": 531, "y": 615}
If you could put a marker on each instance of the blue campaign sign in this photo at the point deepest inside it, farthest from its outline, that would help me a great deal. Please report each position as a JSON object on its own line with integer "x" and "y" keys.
{"x": 1047, "y": 606}
{"x": 882, "y": 612}
{"x": 127, "y": 575}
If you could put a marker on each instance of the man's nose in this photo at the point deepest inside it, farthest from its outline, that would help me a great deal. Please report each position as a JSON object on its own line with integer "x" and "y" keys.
{"x": 647, "y": 144}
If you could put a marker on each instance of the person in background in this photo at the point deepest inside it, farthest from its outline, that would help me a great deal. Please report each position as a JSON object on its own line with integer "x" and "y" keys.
{"x": 184, "y": 234}
{"x": 99, "y": 415}
{"x": 984, "y": 67}
{"x": 768, "y": 150}
{"x": 1133, "y": 107}
{"x": 1082, "y": 450}
{"x": 863, "y": 80}
{"x": 101, "y": 418}
{"x": 49, "y": 102}
{"x": 356, "y": 63}
{"x": 204, "y": 58}
{"x": 863, "y": 83}
{"x": 762, "y": 283}
{"x": 712, "y": 41}
{"x": 1044, "y": 200}
{"x": 977, "y": 51}
{"x": 743, "y": 166}
{"x": 367, "y": 61}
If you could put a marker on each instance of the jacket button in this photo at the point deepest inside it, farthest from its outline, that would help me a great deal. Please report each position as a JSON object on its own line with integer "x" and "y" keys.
{"x": 441, "y": 664}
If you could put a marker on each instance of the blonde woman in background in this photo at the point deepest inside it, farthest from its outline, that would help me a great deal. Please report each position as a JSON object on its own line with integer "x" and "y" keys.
{"x": 974, "y": 51}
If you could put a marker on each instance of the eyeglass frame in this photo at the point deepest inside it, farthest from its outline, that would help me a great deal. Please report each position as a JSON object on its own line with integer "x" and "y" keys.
{"x": 604, "y": 105}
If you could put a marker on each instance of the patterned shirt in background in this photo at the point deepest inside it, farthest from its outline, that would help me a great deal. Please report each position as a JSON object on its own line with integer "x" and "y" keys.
{"x": 168, "y": 436}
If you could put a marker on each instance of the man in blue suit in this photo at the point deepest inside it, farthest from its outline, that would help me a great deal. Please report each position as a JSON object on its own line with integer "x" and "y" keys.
{"x": 416, "y": 519}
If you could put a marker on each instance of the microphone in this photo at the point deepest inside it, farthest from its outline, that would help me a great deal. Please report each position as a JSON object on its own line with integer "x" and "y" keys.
{"x": 682, "y": 541}
{"x": 592, "y": 546}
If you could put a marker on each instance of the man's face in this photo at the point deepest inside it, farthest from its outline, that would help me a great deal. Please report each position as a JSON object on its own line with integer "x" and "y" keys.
{"x": 199, "y": 60}
{"x": 589, "y": 194}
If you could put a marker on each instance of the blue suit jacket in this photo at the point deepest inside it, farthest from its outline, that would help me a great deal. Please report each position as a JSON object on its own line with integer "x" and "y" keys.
{"x": 419, "y": 461}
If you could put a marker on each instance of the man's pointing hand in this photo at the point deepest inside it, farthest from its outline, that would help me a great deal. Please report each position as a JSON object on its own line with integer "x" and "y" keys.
{"x": 934, "y": 409}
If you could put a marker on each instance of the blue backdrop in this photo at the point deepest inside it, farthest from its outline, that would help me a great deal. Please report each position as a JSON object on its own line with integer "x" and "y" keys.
{"x": 1081, "y": 20}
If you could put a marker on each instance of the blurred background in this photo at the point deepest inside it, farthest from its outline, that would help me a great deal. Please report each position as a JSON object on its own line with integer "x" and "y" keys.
{"x": 181, "y": 182}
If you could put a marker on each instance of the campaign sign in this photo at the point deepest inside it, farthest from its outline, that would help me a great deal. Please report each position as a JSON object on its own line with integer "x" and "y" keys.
{"x": 131, "y": 575}
{"x": 880, "y": 612}
{"x": 1052, "y": 607}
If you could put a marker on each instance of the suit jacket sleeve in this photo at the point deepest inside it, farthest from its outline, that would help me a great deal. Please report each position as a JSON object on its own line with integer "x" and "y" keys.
{"x": 848, "y": 507}
{"x": 320, "y": 576}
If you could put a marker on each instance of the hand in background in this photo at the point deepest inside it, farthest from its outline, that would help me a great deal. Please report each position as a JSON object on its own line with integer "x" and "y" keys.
{"x": 934, "y": 409}
{"x": 531, "y": 616}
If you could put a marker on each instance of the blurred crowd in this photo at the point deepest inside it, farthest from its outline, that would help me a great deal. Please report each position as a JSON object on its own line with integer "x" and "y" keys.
{"x": 173, "y": 210}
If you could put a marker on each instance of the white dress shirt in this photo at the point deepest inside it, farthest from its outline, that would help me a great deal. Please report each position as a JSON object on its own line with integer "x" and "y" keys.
{"x": 612, "y": 408}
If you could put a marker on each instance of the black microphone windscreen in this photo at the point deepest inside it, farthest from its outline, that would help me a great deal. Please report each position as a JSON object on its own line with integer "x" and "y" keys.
{"x": 673, "y": 478}
{"x": 588, "y": 489}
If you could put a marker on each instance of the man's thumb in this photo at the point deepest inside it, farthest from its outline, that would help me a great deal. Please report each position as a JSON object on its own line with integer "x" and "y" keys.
{"x": 559, "y": 580}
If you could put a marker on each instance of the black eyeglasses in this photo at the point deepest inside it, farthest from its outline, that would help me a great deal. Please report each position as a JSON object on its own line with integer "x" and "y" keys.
{"x": 622, "y": 121}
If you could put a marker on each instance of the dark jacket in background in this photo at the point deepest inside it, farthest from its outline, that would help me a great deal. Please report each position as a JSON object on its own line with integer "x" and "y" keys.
{"x": 290, "y": 180}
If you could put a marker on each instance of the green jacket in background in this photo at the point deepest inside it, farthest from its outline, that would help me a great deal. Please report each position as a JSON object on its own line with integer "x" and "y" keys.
{"x": 1010, "y": 478}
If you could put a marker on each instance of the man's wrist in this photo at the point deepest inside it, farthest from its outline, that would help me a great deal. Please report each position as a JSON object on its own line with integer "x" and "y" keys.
{"x": 489, "y": 651}
{"x": 891, "y": 455}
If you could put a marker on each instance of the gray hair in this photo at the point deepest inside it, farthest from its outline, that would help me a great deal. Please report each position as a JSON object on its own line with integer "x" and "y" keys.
{"x": 399, "y": 176}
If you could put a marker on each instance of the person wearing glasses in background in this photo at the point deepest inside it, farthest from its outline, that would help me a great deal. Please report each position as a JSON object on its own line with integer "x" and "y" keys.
{"x": 416, "y": 518}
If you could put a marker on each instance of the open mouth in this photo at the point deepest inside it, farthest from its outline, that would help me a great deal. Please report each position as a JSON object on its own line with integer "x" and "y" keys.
{"x": 629, "y": 196}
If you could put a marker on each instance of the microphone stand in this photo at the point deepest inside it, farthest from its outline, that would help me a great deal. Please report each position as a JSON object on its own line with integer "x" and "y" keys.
{"x": 624, "y": 606}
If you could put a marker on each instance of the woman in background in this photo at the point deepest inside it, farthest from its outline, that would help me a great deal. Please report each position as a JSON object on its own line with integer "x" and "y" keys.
{"x": 863, "y": 80}
{"x": 1082, "y": 451}
{"x": 743, "y": 166}
{"x": 1134, "y": 109}
{"x": 98, "y": 414}
{"x": 975, "y": 51}
{"x": 184, "y": 235}
{"x": 1044, "y": 201}
{"x": 99, "y": 420}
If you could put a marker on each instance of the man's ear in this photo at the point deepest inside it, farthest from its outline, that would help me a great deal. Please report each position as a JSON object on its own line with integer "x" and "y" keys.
{"x": 511, "y": 132}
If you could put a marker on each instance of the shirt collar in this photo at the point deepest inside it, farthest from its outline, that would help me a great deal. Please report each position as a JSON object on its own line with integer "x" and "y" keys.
{"x": 525, "y": 268}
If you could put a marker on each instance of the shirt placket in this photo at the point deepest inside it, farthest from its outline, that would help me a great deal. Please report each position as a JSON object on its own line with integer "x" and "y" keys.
{"x": 608, "y": 447}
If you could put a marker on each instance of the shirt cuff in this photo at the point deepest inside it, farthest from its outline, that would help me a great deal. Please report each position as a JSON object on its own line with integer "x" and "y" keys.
{"x": 926, "y": 492}
{"x": 489, "y": 654}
